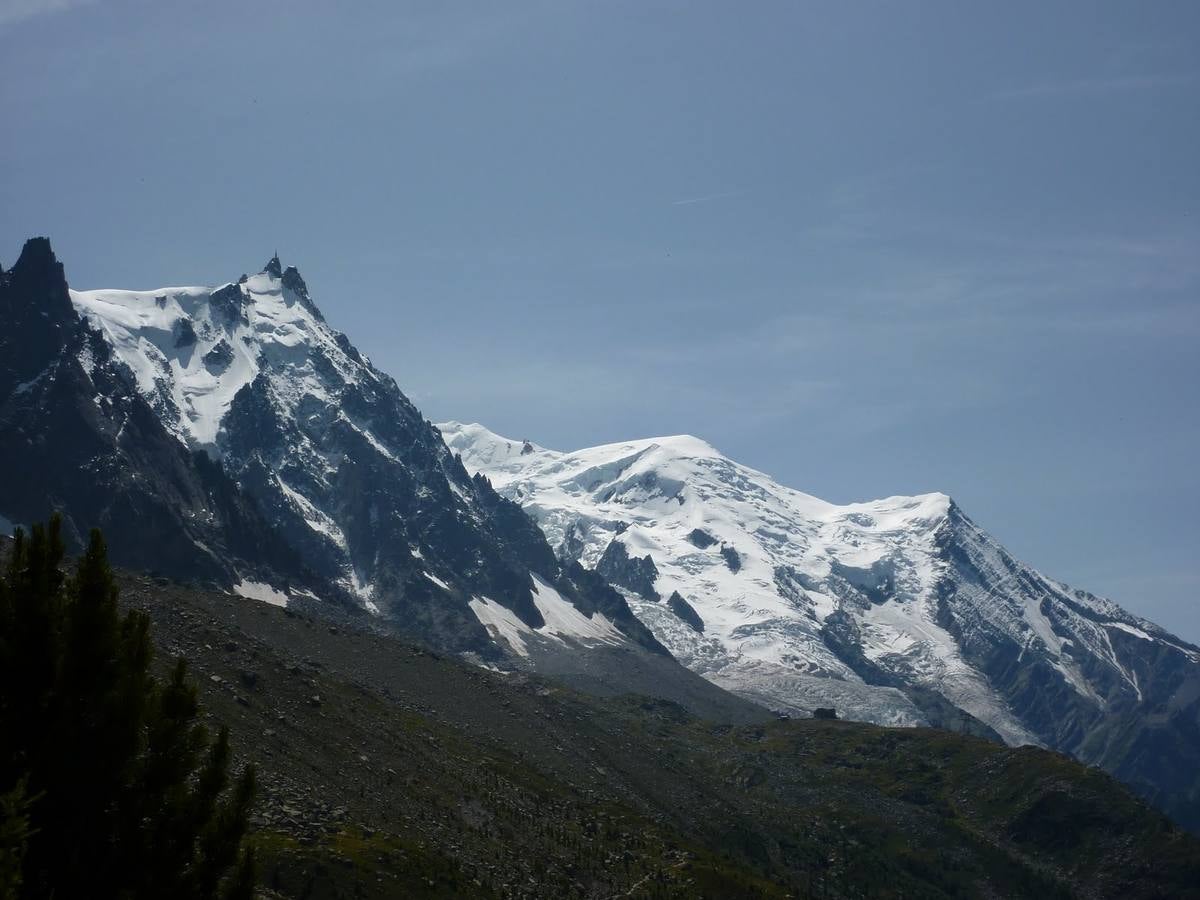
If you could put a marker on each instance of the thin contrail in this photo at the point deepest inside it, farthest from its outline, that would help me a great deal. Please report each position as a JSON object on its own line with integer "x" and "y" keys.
{"x": 692, "y": 200}
{"x": 1098, "y": 86}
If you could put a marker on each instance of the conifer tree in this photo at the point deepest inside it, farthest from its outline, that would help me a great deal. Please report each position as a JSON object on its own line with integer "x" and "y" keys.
{"x": 14, "y": 837}
{"x": 109, "y": 784}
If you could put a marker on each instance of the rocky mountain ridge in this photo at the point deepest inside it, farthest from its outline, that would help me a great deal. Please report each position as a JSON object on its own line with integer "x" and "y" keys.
{"x": 229, "y": 436}
{"x": 75, "y": 435}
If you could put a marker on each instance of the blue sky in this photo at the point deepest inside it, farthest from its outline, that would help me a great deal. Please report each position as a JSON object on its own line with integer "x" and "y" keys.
{"x": 870, "y": 248}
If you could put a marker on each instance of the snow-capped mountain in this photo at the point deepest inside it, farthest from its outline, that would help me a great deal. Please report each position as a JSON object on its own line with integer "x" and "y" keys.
{"x": 897, "y": 611}
{"x": 303, "y": 402}
{"x": 246, "y": 385}
{"x": 77, "y": 437}
{"x": 228, "y": 435}
{"x": 338, "y": 459}
{"x": 231, "y": 436}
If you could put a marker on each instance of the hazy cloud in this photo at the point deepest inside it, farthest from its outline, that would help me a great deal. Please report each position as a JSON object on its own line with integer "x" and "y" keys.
{"x": 14, "y": 11}
{"x": 690, "y": 200}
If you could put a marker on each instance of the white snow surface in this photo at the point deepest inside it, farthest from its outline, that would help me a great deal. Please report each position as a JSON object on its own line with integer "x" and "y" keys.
{"x": 502, "y": 624}
{"x": 194, "y": 380}
{"x": 876, "y": 564}
{"x": 564, "y": 623}
{"x": 257, "y": 590}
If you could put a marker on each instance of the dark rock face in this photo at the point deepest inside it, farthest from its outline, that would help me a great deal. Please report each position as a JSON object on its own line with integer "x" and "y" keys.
{"x": 684, "y": 611}
{"x": 37, "y": 314}
{"x": 701, "y": 538}
{"x": 876, "y": 583}
{"x": 572, "y": 543}
{"x": 296, "y": 289}
{"x": 732, "y": 558}
{"x": 228, "y": 301}
{"x": 219, "y": 357}
{"x": 404, "y": 515}
{"x": 636, "y": 574}
{"x": 186, "y": 336}
{"x": 1146, "y": 728}
{"x": 85, "y": 443}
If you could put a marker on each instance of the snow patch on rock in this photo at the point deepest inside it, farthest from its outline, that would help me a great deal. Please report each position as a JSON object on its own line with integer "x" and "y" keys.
{"x": 257, "y": 590}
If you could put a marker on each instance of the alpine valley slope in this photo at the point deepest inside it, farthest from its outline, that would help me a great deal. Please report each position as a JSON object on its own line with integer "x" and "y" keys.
{"x": 896, "y": 611}
{"x": 230, "y": 436}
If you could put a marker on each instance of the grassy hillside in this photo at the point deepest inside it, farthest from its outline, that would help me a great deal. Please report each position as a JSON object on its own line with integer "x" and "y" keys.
{"x": 390, "y": 771}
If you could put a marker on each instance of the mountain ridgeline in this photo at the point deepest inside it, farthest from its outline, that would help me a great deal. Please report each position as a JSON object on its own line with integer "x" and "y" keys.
{"x": 228, "y": 437}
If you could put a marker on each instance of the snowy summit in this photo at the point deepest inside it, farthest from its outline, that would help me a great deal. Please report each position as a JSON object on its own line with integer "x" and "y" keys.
{"x": 886, "y": 610}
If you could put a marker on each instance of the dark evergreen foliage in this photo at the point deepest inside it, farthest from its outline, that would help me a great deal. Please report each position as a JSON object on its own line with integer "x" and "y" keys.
{"x": 116, "y": 787}
{"x": 14, "y": 838}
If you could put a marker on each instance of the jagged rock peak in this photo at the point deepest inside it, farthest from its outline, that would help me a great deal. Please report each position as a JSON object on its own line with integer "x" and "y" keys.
{"x": 291, "y": 279}
{"x": 36, "y": 248}
{"x": 38, "y": 262}
{"x": 294, "y": 283}
{"x": 39, "y": 288}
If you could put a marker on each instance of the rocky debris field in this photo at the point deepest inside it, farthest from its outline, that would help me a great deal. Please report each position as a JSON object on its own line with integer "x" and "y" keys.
{"x": 387, "y": 770}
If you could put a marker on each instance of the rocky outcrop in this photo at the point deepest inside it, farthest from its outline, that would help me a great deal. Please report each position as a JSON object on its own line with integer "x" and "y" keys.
{"x": 685, "y": 611}
{"x": 635, "y": 573}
